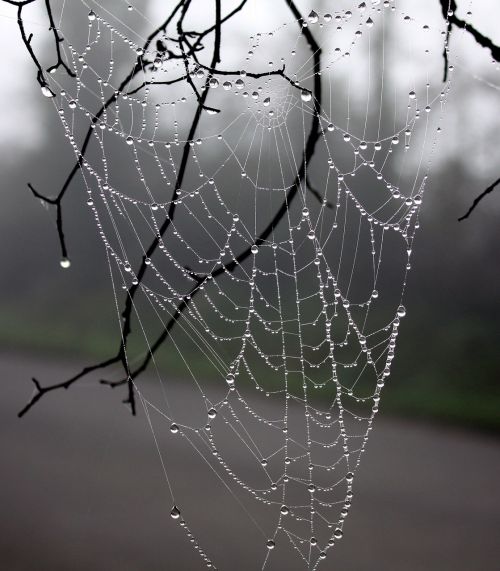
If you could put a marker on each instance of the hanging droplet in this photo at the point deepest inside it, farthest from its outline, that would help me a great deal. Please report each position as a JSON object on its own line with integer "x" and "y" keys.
{"x": 349, "y": 477}
{"x": 338, "y": 533}
{"x": 306, "y": 95}
{"x": 401, "y": 311}
{"x": 271, "y": 544}
{"x": 65, "y": 263}
{"x": 212, "y": 413}
{"x": 412, "y": 95}
{"x": 240, "y": 84}
{"x": 313, "y": 17}
{"x": 92, "y": 15}
{"x": 284, "y": 510}
{"x": 230, "y": 380}
{"x": 47, "y": 92}
{"x": 369, "y": 23}
{"x": 266, "y": 102}
{"x": 254, "y": 249}
{"x": 214, "y": 82}
{"x": 331, "y": 127}
{"x": 175, "y": 513}
{"x": 130, "y": 140}
{"x": 72, "y": 104}
{"x": 227, "y": 85}
{"x": 174, "y": 429}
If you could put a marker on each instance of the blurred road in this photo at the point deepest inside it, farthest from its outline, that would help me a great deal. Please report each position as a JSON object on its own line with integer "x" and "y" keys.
{"x": 81, "y": 489}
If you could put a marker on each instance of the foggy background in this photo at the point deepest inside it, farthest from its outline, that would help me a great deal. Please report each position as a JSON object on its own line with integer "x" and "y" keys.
{"x": 446, "y": 372}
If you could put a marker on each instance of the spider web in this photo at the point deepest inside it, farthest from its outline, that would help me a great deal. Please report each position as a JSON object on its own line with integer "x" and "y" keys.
{"x": 284, "y": 329}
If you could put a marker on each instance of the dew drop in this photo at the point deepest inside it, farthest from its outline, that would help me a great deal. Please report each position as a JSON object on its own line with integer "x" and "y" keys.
{"x": 92, "y": 15}
{"x": 284, "y": 510}
{"x": 175, "y": 513}
{"x": 212, "y": 413}
{"x": 174, "y": 429}
{"x": 338, "y": 534}
{"x": 65, "y": 263}
{"x": 401, "y": 311}
{"x": 313, "y": 17}
{"x": 306, "y": 95}
{"x": 47, "y": 92}
{"x": 271, "y": 544}
{"x": 254, "y": 249}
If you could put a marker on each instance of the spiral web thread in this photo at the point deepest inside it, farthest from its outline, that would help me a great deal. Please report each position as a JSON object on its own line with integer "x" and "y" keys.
{"x": 285, "y": 353}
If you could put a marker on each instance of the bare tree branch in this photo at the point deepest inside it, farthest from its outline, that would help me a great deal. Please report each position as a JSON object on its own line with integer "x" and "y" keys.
{"x": 478, "y": 199}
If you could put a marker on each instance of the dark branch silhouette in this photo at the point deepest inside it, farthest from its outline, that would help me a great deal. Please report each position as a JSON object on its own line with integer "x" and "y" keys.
{"x": 187, "y": 50}
{"x": 449, "y": 9}
{"x": 478, "y": 199}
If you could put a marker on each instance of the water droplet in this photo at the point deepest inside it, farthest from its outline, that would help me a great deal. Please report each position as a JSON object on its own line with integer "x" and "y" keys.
{"x": 369, "y": 23}
{"x": 47, "y": 92}
{"x": 401, "y": 311}
{"x": 313, "y": 17}
{"x": 266, "y": 102}
{"x": 331, "y": 127}
{"x": 349, "y": 477}
{"x": 72, "y": 104}
{"x": 175, "y": 513}
{"x": 306, "y": 95}
{"x": 227, "y": 85}
{"x": 130, "y": 140}
{"x": 412, "y": 95}
{"x": 240, "y": 84}
{"x": 230, "y": 380}
{"x": 254, "y": 249}
{"x": 284, "y": 510}
{"x": 65, "y": 263}
{"x": 271, "y": 544}
{"x": 92, "y": 15}
{"x": 212, "y": 413}
{"x": 338, "y": 534}
{"x": 214, "y": 82}
{"x": 174, "y": 429}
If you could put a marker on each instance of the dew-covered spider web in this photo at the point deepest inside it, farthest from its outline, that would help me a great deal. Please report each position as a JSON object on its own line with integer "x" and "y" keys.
{"x": 267, "y": 247}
